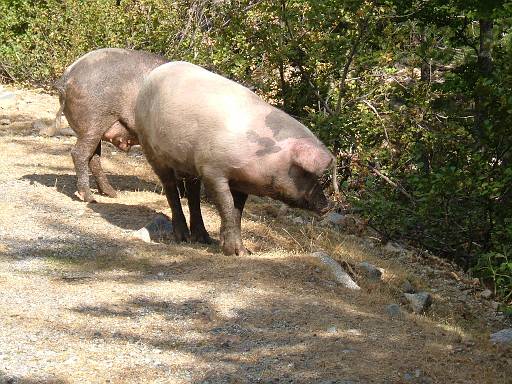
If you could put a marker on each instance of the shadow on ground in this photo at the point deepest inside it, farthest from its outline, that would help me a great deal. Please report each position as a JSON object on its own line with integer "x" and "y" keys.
{"x": 125, "y": 216}
{"x": 15, "y": 379}
{"x": 66, "y": 183}
{"x": 267, "y": 317}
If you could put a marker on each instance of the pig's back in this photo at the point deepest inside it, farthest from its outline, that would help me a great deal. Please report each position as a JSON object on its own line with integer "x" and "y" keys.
{"x": 193, "y": 117}
{"x": 108, "y": 80}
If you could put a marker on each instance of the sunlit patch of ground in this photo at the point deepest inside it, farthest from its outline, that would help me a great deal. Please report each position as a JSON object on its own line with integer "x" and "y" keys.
{"x": 83, "y": 301}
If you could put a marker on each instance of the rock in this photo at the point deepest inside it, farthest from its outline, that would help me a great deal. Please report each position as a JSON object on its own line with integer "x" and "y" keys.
{"x": 417, "y": 377}
{"x": 407, "y": 287}
{"x": 298, "y": 220}
{"x": 486, "y": 294}
{"x": 283, "y": 210}
{"x": 502, "y": 337}
{"x": 333, "y": 218}
{"x": 337, "y": 381}
{"x": 370, "y": 270}
{"x": 340, "y": 275}
{"x": 158, "y": 229}
{"x": 394, "y": 311}
{"x": 332, "y": 329}
{"x": 420, "y": 301}
{"x": 393, "y": 248}
{"x": 5, "y": 122}
{"x": 40, "y": 126}
{"x": 7, "y": 100}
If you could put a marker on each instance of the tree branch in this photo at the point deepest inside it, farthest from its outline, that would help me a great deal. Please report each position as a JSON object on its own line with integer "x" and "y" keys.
{"x": 348, "y": 62}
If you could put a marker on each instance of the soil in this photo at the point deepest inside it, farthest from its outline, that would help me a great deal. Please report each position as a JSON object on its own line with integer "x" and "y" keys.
{"x": 83, "y": 301}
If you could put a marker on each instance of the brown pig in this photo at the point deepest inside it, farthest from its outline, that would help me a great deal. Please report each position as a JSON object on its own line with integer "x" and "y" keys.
{"x": 201, "y": 124}
{"x": 97, "y": 95}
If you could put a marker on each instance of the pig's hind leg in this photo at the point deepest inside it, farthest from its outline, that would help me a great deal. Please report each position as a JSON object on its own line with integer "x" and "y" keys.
{"x": 198, "y": 232}
{"x": 81, "y": 154}
{"x": 101, "y": 179}
{"x": 168, "y": 179}
{"x": 239, "y": 199}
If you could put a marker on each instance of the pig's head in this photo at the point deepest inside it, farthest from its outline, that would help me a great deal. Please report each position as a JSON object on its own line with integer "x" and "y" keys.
{"x": 300, "y": 188}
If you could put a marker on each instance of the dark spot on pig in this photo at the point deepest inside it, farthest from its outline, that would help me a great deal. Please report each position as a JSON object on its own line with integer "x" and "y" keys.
{"x": 268, "y": 150}
{"x": 284, "y": 126}
{"x": 268, "y": 144}
{"x": 252, "y": 136}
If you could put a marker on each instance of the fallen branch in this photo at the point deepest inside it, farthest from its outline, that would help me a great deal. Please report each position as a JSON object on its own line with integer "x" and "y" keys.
{"x": 391, "y": 182}
{"x": 382, "y": 122}
{"x": 381, "y": 175}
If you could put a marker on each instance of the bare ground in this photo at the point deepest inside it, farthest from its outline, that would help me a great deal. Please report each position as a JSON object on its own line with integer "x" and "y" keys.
{"x": 82, "y": 301}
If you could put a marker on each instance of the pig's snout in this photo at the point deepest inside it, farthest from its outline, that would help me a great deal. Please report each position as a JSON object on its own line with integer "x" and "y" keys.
{"x": 317, "y": 201}
{"x": 322, "y": 208}
{"x": 329, "y": 207}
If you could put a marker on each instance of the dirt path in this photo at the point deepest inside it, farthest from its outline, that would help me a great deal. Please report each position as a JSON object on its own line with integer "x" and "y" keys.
{"x": 81, "y": 301}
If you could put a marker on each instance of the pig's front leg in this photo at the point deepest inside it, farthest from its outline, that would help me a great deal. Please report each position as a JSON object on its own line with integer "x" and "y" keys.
{"x": 179, "y": 224}
{"x": 230, "y": 234}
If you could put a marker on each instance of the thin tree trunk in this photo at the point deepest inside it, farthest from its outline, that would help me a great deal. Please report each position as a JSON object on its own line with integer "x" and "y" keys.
{"x": 348, "y": 62}
{"x": 425, "y": 61}
{"x": 485, "y": 70}
{"x": 284, "y": 86}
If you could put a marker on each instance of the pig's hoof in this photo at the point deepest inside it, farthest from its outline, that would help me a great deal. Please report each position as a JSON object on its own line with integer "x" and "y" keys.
{"x": 181, "y": 235}
{"x": 85, "y": 197}
{"x": 200, "y": 237}
{"x": 234, "y": 248}
{"x": 110, "y": 192}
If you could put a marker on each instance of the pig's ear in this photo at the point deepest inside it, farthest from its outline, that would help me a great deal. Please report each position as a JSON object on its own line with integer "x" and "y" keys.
{"x": 311, "y": 157}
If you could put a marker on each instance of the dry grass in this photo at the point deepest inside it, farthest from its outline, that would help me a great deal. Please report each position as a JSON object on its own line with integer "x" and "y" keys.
{"x": 82, "y": 301}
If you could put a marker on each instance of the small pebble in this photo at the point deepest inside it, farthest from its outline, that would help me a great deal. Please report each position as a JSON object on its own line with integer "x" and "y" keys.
{"x": 486, "y": 294}
{"x": 394, "y": 311}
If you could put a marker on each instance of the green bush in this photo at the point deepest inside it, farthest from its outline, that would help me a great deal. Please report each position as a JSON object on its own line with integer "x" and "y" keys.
{"x": 496, "y": 269}
{"x": 400, "y": 91}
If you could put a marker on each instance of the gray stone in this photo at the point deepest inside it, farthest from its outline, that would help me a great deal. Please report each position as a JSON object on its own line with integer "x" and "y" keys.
{"x": 158, "y": 229}
{"x": 502, "y": 337}
{"x": 333, "y": 218}
{"x": 407, "y": 287}
{"x": 340, "y": 275}
{"x": 283, "y": 210}
{"x": 393, "y": 248}
{"x": 40, "y": 126}
{"x": 417, "y": 377}
{"x": 7, "y": 100}
{"x": 420, "y": 301}
{"x": 337, "y": 381}
{"x": 394, "y": 311}
{"x": 298, "y": 220}
{"x": 486, "y": 294}
{"x": 370, "y": 270}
